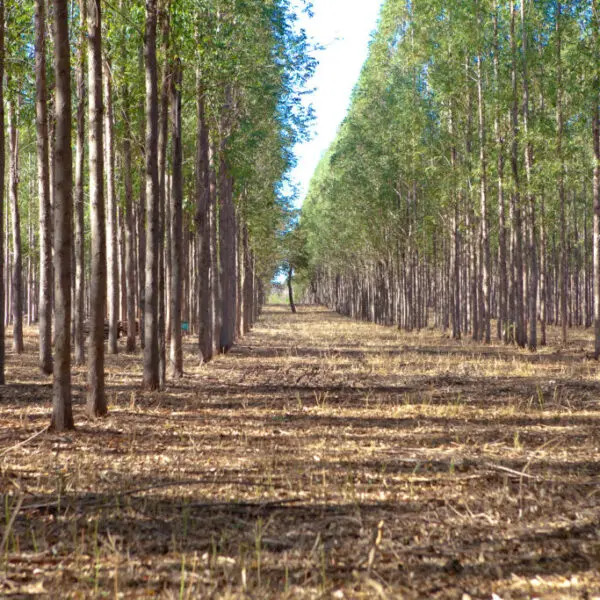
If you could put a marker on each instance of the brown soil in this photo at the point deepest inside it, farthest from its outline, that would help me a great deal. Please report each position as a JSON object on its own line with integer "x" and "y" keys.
{"x": 320, "y": 458}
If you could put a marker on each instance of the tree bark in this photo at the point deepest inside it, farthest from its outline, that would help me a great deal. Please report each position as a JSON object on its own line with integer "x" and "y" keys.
{"x": 111, "y": 220}
{"x": 2, "y": 161}
{"x": 533, "y": 262}
{"x": 13, "y": 189}
{"x": 176, "y": 350}
{"x": 96, "y": 399}
{"x": 79, "y": 336}
{"x": 291, "y": 289}
{"x": 43, "y": 174}
{"x": 129, "y": 226}
{"x": 203, "y": 225}
{"x": 62, "y": 415}
{"x": 596, "y": 192}
{"x": 563, "y": 284}
{"x": 151, "y": 366}
{"x": 485, "y": 240}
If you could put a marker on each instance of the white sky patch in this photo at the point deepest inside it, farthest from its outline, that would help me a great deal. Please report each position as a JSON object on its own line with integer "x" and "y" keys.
{"x": 344, "y": 28}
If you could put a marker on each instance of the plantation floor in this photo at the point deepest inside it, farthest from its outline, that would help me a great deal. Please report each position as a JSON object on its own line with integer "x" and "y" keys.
{"x": 320, "y": 458}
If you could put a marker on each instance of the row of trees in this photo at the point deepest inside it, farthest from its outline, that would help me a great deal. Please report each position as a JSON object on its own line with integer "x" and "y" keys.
{"x": 463, "y": 185}
{"x": 168, "y": 209}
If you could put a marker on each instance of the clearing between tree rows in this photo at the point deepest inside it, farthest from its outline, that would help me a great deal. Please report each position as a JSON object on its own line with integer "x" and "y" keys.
{"x": 322, "y": 457}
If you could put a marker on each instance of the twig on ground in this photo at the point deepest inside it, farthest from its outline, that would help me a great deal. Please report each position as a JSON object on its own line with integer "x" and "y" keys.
{"x": 29, "y": 439}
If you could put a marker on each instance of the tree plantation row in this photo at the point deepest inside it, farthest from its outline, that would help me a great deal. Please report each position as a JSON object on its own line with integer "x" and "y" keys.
{"x": 143, "y": 154}
{"x": 463, "y": 185}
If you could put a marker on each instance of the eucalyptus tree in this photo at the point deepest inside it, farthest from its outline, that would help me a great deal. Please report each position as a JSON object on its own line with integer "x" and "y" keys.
{"x": 2, "y": 166}
{"x": 41, "y": 108}
{"x": 62, "y": 415}
{"x": 151, "y": 366}
{"x": 96, "y": 399}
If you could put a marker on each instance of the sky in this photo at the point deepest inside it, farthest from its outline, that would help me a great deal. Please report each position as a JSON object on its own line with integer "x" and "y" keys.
{"x": 343, "y": 28}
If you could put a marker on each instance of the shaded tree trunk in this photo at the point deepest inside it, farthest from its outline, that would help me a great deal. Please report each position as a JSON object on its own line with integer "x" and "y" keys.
{"x": 62, "y": 415}
{"x": 112, "y": 260}
{"x": 96, "y": 399}
{"x": 176, "y": 350}
{"x": 203, "y": 225}
{"x": 43, "y": 174}
{"x": 79, "y": 336}
{"x": 13, "y": 188}
{"x": 2, "y": 164}
{"x": 291, "y": 289}
{"x": 129, "y": 226}
{"x": 151, "y": 366}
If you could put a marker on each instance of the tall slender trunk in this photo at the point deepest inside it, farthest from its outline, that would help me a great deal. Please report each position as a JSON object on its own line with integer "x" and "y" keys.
{"x": 502, "y": 273}
{"x": 533, "y": 262}
{"x": 176, "y": 350}
{"x": 227, "y": 257}
{"x": 129, "y": 225}
{"x": 216, "y": 292}
{"x": 13, "y": 192}
{"x": 111, "y": 217}
{"x": 203, "y": 225}
{"x": 96, "y": 399}
{"x": 517, "y": 245}
{"x": 151, "y": 366}
{"x": 485, "y": 240}
{"x": 561, "y": 178}
{"x": 596, "y": 193}
{"x": 2, "y": 159}
{"x": 62, "y": 415}
{"x": 79, "y": 337}
{"x": 43, "y": 175}
{"x": 163, "y": 133}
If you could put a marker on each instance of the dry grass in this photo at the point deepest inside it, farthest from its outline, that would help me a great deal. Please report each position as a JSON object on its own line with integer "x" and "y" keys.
{"x": 321, "y": 458}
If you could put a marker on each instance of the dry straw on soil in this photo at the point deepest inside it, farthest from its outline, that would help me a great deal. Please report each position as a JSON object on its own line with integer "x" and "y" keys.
{"x": 321, "y": 458}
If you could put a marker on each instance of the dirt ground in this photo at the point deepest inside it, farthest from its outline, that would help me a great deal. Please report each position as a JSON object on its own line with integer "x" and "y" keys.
{"x": 321, "y": 458}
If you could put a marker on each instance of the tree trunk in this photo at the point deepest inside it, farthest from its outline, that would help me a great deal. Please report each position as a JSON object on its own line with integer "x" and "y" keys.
{"x": 151, "y": 367}
{"x": 291, "y": 289}
{"x": 561, "y": 179}
{"x": 163, "y": 133}
{"x": 129, "y": 227}
{"x": 62, "y": 415}
{"x": 2, "y": 158}
{"x": 176, "y": 350}
{"x": 227, "y": 257}
{"x": 485, "y": 240}
{"x": 13, "y": 188}
{"x": 96, "y": 399}
{"x": 43, "y": 174}
{"x": 203, "y": 225}
{"x": 111, "y": 220}
{"x": 79, "y": 336}
{"x": 533, "y": 263}
{"x": 517, "y": 242}
{"x": 596, "y": 136}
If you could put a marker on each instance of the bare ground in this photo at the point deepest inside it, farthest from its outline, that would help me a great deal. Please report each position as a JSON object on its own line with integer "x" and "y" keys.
{"x": 321, "y": 458}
